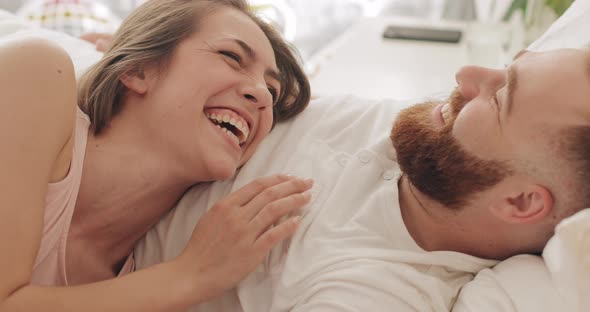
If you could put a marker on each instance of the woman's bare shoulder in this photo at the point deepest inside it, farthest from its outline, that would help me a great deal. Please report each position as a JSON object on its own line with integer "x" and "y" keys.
{"x": 37, "y": 92}
{"x": 37, "y": 118}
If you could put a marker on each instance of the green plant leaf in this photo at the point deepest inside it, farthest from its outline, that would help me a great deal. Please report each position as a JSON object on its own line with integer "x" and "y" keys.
{"x": 559, "y": 6}
{"x": 515, "y": 6}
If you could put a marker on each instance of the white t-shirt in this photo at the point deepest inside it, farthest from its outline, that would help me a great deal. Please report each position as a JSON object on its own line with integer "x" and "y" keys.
{"x": 352, "y": 251}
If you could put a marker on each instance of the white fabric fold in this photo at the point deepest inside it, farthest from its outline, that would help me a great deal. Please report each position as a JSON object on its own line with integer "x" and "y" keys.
{"x": 567, "y": 257}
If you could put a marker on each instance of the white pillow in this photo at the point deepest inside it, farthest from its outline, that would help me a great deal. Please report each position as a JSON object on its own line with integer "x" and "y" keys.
{"x": 521, "y": 283}
{"x": 526, "y": 283}
{"x": 83, "y": 53}
{"x": 567, "y": 256}
{"x": 569, "y": 31}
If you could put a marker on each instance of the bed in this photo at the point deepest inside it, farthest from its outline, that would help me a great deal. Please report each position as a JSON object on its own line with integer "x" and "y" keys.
{"x": 557, "y": 281}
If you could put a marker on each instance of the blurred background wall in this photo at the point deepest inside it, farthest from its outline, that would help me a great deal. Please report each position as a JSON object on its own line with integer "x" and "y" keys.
{"x": 311, "y": 24}
{"x": 318, "y": 21}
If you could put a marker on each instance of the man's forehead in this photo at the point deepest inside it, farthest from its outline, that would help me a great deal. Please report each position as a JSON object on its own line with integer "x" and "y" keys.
{"x": 564, "y": 54}
{"x": 554, "y": 77}
{"x": 575, "y": 63}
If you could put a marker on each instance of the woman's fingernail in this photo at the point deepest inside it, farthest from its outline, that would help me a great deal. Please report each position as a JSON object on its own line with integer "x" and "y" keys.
{"x": 308, "y": 182}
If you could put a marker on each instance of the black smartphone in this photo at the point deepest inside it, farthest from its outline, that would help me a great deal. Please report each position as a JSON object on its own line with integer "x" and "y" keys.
{"x": 422, "y": 34}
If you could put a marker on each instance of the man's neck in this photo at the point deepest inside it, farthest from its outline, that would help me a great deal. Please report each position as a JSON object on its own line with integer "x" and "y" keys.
{"x": 435, "y": 227}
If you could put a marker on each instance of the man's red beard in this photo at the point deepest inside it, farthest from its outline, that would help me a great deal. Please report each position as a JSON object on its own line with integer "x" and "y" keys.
{"x": 435, "y": 163}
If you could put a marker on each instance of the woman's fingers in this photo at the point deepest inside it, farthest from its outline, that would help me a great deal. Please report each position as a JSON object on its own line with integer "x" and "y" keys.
{"x": 94, "y": 37}
{"x": 245, "y": 194}
{"x": 240, "y": 227}
{"x": 276, "y": 234}
{"x": 102, "y": 45}
{"x": 100, "y": 40}
{"x": 275, "y": 210}
{"x": 275, "y": 193}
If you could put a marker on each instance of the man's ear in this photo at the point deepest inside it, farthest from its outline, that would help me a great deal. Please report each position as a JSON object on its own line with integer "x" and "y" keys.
{"x": 135, "y": 80}
{"x": 530, "y": 205}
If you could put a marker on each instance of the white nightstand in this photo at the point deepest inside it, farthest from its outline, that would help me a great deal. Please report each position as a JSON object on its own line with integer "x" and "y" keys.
{"x": 361, "y": 62}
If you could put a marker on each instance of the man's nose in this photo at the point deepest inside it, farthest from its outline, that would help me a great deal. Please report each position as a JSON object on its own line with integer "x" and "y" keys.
{"x": 473, "y": 80}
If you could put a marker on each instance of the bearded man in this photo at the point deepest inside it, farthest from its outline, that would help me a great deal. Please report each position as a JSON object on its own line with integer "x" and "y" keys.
{"x": 401, "y": 218}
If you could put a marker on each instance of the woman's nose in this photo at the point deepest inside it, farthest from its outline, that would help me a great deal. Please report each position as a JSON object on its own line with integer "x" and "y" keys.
{"x": 256, "y": 93}
{"x": 473, "y": 80}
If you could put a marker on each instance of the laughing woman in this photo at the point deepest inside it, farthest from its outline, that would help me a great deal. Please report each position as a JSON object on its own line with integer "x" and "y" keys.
{"x": 185, "y": 93}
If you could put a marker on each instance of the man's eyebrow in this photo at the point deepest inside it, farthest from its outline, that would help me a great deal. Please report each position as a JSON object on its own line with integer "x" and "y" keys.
{"x": 272, "y": 73}
{"x": 512, "y": 83}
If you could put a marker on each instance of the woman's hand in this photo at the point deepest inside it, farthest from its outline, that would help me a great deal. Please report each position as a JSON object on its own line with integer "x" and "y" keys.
{"x": 236, "y": 234}
{"x": 100, "y": 40}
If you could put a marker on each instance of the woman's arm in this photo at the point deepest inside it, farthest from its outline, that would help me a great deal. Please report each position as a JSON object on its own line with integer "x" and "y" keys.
{"x": 159, "y": 288}
{"x": 227, "y": 243}
{"x": 37, "y": 113}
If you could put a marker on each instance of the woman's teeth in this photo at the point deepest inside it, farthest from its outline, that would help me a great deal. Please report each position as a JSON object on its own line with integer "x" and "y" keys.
{"x": 242, "y": 127}
{"x": 230, "y": 134}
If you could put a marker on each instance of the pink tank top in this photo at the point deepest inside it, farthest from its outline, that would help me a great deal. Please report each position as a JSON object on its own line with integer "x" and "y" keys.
{"x": 49, "y": 268}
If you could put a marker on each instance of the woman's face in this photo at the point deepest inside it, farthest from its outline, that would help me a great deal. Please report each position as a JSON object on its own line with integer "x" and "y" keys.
{"x": 214, "y": 103}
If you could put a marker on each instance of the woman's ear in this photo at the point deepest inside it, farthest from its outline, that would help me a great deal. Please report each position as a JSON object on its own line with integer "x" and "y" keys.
{"x": 530, "y": 205}
{"x": 135, "y": 80}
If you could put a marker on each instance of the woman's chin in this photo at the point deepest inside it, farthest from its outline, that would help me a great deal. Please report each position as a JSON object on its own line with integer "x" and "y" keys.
{"x": 222, "y": 170}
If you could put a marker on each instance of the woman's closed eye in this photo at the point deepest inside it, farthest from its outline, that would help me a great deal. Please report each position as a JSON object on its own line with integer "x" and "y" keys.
{"x": 237, "y": 60}
{"x": 232, "y": 56}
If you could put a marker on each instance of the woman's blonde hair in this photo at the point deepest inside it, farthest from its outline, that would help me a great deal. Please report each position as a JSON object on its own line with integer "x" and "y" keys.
{"x": 149, "y": 37}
